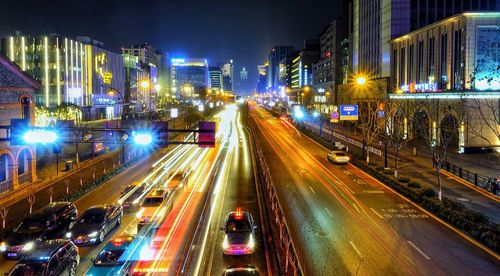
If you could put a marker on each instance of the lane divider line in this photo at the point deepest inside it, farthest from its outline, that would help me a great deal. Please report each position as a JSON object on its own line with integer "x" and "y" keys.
{"x": 356, "y": 249}
{"x": 376, "y": 213}
{"x": 419, "y": 250}
{"x": 357, "y": 209}
{"x": 328, "y": 211}
{"x": 349, "y": 189}
{"x": 312, "y": 190}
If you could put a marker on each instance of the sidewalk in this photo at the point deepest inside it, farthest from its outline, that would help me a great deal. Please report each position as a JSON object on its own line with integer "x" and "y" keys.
{"x": 420, "y": 168}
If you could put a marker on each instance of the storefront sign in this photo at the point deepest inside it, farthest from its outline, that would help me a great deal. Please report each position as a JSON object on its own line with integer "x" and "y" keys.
{"x": 419, "y": 87}
{"x": 100, "y": 100}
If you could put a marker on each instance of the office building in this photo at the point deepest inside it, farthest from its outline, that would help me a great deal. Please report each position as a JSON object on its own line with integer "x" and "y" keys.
{"x": 262, "y": 80}
{"x": 164, "y": 73}
{"x": 243, "y": 74}
{"x": 145, "y": 52}
{"x": 227, "y": 75}
{"x": 189, "y": 74}
{"x": 276, "y": 55}
{"x": 216, "y": 78}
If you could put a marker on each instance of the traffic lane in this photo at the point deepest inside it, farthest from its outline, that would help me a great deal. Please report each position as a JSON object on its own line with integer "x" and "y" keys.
{"x": 425, "y": 235}
{"x": 240, "y": 193}
{"x": 332, "y": 234}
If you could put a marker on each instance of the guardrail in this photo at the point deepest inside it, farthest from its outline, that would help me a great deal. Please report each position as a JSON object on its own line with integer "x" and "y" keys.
{"x": 474, "y": 178}
{"x": 287, "y": 254}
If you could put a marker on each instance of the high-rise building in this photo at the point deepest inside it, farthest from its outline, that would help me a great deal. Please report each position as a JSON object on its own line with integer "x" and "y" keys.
{"x": 262, "y": 81}
{"x": 71, "y": 71}
{"x": 164, "y": 73}
{"x": 301, "y": 64}
{"x": 276, "y": 55}
{"x": 189, "y": 74}
{"x": 243, "y": 74}
{"x": 227, "y": 75}
{"x": 145, "y": 52}
{"x": 216, "y": 77}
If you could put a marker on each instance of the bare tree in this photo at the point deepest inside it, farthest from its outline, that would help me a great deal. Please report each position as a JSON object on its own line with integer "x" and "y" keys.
{"x": 486, "y": 116}
{"x": 443, "y": 131}
{"x": 50, "y": 192}
{"x": 396, "y": 128}
{"x": 3, "y": 212}
{"x": 370, "y": 124}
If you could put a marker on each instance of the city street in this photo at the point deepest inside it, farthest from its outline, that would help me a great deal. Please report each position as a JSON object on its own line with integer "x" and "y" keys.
{"x": 345, "y": 222}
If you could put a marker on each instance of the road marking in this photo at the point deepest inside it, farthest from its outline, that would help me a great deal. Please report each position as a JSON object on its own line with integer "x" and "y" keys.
{"x": 356, "y": 208}
{"x": 376, "y": 213}
{"x": 356, "y": 249}
{"x": 419, "y": 250}
{"x": 328, "y": 211}
{"x": 463, "y": 199}
{"x": 373, "y": 192}
{"x": 312, "y": 190}
{"x": 349, "y": 189}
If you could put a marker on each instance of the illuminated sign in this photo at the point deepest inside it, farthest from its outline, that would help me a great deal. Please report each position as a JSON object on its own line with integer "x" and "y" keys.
{"x": 100, "y": 62}
{"x": 419, "y": 87}
{"x": 99, "y": 100}
{"x": 487, "y": 75}
{"x": 349, "y": 112}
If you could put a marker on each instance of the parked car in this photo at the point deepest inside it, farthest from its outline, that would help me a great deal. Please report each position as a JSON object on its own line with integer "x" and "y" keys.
{"x": 54, "y": 257}
{"x": 248, "y": 270}
{"x": 239, "y": 238}
{"x": 51, "y": 222}
{"x": 338, "y": 157}
{"x": 95, "y": 223}
{"x": 116, "y": 257}
{"x": 130, "y": 197}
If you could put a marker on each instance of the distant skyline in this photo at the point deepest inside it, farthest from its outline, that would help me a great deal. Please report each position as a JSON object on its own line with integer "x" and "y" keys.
{"x": 216, "y": 29}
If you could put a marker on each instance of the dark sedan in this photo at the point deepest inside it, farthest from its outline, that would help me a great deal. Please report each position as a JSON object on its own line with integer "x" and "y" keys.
{"x": 95, "y": 223}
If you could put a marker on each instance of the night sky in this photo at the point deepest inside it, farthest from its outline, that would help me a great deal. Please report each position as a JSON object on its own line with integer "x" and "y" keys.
{"x": 244, "y": 30}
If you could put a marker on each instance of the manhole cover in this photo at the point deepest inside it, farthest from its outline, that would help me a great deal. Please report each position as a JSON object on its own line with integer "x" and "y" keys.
{"x": 462, "y": 199}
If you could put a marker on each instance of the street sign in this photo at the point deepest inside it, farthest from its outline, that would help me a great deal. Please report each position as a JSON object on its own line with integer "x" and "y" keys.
{"x": 349, "y": 112}
{"x": 381, "y": 114}
{"x": 206, "y": 137}
{"x": 334, "y": 117}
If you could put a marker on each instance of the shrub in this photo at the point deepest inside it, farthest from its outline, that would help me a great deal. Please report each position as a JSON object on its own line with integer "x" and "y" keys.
{"x": 372, "y": 163}
{"x": 379, "y": 168}
{"x": 414, "y": 184}
{"x": 404, "y": 180}
{"x": 388, "y": 171}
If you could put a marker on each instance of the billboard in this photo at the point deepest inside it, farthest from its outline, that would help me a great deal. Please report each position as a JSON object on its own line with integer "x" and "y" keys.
{"x": 206, "y": 137}
{"x": 487, "y": 58}
{"x": 349, "y": 112}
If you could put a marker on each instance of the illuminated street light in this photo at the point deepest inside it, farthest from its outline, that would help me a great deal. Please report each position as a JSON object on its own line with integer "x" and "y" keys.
{"x": 145, "y": 84}
{"x": 143, "y": 139}
{"x": 315, "y": 114}
{"x": 299, "y": 114}
{"x": 157, "y": 87}
{"x": 361, "y": 80}
{"x": 40, "y": 136}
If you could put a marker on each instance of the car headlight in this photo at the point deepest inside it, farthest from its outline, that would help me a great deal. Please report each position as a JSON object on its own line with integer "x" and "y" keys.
{"x": 139, "y": 214}
{"x": 93, "y": 234}
{"x": 225, "y": 243}
{"x": 3, "y": 246}
{"x": 28, "y": 246}
{"x": 251, "y": 242}
{"x": 68, "y": 235}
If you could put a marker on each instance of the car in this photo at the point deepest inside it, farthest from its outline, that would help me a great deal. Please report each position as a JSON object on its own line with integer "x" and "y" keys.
{"x": 248, "y": 270}
{"x": 239, "y": 233}
{"x": 154, "y": 207}
{"x": 130, "y": 197}
{"x": 95, "y": 223}
{"x": 116, "y": 257}
{"x": 53, "y": 257}
{"x": 52, "y": 221}
{"x": 338, "y": 157}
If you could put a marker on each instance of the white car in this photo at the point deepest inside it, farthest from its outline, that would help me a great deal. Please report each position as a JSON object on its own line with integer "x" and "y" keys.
{"x": 338, "y": 157}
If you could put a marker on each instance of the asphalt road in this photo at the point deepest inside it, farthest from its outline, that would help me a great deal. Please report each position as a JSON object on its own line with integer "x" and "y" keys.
{"x": 345, "y": 222}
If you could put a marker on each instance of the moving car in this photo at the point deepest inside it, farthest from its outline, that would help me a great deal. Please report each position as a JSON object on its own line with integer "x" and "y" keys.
{"x": 239, "y": 237}
{"x": 54, "y": 257}
{"x": 153, "y": 208}
{"x": 338, "y": 157}
{"x": 130, "y": 196}
{"x": 116, "y": 257}
{"x": 248, "y": 270}
{"x": 95, "y": 223}
{"x": 52, "y": 221}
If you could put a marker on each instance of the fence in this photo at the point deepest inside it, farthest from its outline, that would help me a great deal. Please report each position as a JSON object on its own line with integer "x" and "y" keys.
{"x": 474, "y": 178}
{"x": 288, "y": 258}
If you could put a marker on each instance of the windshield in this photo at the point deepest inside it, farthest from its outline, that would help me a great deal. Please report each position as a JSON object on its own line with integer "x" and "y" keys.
{"x": 340, "y": 154}
{"x": 28, "y": 269}
{"x": 31, "y": 226}
{"x": 152, "y": 201}
{"x": 91, "y": 218}
{"x": 237, "y": 226}
{"x": 109, "y": 257}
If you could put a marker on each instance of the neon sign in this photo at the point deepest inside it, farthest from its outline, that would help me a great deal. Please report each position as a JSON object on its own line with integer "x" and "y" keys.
{"x": 100, "y": 62}
{"x": 419, "y": 87}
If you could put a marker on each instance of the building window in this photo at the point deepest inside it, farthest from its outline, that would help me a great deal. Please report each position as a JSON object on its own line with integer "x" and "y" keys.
{"x": 444, "y": 58}
{"x": 420, "y": 61}
{"x": 410, "y": 63}
{"x": 402, "y": 69}
{"x": 395, "y": 63}
{"x": 431, "y": 59}
{"x": 457, "y": 80}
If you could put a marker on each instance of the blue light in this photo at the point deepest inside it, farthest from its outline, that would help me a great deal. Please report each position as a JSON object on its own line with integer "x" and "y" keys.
{"x": 299, "y": 114}
{"x": 41, "y": 136}
{"x": 315, "y": 114}
{"x": 143, "y": 139}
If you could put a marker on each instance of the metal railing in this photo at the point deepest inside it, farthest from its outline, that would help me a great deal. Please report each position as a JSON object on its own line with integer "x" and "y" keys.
{"x": 6, "y": 186}
{"x": 474, "y": 178}
{"x": 288, "y": 257}
{"x": 24, "y": 178}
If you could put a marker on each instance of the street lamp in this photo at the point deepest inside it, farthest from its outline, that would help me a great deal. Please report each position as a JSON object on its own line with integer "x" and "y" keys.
{"x": 361, "y": 80}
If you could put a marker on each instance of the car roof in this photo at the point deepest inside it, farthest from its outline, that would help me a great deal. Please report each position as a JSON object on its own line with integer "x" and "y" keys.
{"x": 112, "y": 244}
{"x": 97, "y": 209}
{"x": 232, "y": 216}
{"x": 157, "y": 192}
{"x": 44, "y": 250}
{"x": 48, "y": 210}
